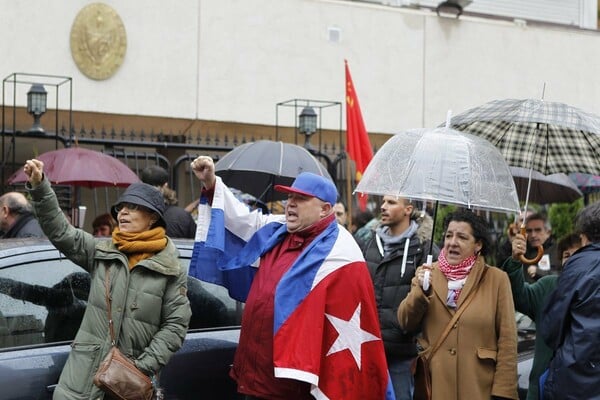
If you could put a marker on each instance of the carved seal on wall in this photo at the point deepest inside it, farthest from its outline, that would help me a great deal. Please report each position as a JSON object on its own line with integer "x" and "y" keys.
{"x": 98, "y": 41}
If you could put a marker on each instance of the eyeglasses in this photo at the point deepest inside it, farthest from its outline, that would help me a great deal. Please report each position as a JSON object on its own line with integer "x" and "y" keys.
{"x": 129, "y": 206}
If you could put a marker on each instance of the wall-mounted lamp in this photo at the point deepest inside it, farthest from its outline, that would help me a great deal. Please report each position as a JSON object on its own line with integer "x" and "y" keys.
{"x": 36, "y": 105}
{"x": 452, "y": 8}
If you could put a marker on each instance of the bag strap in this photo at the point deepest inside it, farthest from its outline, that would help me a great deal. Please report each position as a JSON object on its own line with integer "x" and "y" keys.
{"x": 455, "y": 318}
{"x": 111, "y": 328}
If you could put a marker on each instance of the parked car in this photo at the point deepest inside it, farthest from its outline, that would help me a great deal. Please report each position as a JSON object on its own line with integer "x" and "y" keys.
{"x": 42, "y": 299}
{"x": 526, "y": 349}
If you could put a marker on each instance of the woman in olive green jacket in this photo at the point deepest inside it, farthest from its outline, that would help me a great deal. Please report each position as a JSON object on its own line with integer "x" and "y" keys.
{"x": 150, "y": 308}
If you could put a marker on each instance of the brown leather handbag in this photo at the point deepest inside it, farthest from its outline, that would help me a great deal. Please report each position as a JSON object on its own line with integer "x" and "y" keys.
{"x": 420, "y": 367}
{"x": 117, "y": 375}
{"x": 422, "y": 389}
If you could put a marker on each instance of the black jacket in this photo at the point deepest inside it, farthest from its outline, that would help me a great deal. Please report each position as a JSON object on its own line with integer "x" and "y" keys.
{"x": 180, "y": 223}
{"x": 391, "y": 287}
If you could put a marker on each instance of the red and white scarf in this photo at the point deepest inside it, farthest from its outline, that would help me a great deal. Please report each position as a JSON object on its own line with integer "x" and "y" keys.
{"x": 456, "y": 275}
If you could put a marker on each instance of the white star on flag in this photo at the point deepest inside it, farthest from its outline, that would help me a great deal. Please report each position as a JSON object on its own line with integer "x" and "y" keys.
{"x": 351, "y": 336}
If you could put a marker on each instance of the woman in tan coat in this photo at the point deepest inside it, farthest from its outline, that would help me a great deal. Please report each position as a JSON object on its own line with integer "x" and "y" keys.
{"x": 478, "y": 358}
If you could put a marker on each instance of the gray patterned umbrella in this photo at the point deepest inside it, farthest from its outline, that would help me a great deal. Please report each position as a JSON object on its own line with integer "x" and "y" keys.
{"x": 548, "y": 137}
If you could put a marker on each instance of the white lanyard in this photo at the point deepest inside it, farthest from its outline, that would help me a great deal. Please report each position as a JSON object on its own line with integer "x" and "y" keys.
{"x": 406, "y": 243}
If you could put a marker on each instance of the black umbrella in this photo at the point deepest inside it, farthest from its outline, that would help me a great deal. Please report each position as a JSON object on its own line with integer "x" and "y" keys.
{"x": 256, "y": 167}
{"x": 545, "y": 189}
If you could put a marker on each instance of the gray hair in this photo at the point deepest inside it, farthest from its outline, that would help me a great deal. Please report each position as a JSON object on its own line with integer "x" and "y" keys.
{"x": 16, "y": 203}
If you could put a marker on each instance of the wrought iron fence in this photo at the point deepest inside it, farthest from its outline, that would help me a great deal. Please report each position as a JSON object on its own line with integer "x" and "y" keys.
{"x": 139, "y": 149}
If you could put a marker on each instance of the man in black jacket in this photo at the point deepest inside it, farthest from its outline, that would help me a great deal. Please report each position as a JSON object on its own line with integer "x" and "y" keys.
{"x": 180, "y": 223}
{"x": 393, "y": 252}
{"x": 16, "y": 217}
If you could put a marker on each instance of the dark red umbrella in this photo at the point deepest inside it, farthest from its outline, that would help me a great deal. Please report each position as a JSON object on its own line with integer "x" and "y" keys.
{"x": 81, "y": 167}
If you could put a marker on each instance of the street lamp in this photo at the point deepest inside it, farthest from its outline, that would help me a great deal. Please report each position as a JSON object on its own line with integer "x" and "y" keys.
{"x": 307, "y": 124}
{"x": 36, "y": 105}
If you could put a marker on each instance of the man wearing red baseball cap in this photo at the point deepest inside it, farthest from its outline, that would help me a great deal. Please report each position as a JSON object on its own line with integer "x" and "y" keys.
{"x": 310, "y": 326}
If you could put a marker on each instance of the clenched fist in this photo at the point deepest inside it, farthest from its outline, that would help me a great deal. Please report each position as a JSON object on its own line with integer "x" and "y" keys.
{"x": 34, "y": 169}
{"x": 204, "y": 169}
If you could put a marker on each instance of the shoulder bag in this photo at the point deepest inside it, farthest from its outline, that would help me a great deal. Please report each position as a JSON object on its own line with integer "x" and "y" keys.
{"x": 117, "y": 375}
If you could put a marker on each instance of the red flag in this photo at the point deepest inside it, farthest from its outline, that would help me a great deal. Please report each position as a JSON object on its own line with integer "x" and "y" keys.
{"x": 357, "y": 138}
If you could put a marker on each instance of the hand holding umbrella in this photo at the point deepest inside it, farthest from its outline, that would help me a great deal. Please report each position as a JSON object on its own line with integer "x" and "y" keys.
{"x": 426, "y": 278}
{"x": 519, "y": 246}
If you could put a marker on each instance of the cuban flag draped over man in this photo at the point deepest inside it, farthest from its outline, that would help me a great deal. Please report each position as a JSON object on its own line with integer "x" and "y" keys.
{"x": 326, "y": 329}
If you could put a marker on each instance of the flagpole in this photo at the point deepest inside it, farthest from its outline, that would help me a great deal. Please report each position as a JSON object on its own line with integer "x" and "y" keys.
{"x": 348, "y": 191}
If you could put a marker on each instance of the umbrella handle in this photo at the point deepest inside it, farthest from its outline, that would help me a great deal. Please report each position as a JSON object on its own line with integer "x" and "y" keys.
{"x": 534, "y": 260}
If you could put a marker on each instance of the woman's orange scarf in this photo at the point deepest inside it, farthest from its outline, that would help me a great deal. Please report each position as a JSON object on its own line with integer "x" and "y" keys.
{"x": 141, "y": 245}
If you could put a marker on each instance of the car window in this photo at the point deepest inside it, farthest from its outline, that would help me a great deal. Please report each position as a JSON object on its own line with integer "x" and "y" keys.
{"x": 43, "y": 301}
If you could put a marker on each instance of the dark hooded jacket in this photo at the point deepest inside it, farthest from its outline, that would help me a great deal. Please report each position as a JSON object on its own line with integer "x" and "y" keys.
{"x": 571, "y": 327}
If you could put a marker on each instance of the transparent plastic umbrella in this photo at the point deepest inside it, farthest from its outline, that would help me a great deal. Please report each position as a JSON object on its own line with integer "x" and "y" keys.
{"x": 443, "y": 165}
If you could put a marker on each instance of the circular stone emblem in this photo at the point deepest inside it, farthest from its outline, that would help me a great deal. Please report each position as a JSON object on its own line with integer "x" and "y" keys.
{"x": 98, "y": 41}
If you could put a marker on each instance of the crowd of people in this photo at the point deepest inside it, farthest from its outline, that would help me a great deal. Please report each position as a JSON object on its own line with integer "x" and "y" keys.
{"x": 313, "y": 266}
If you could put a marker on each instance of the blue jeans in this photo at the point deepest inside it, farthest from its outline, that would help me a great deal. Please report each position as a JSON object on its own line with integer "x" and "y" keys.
{"x": 402, "y": 378}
